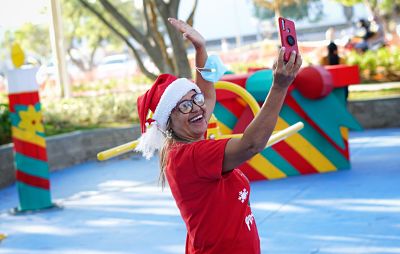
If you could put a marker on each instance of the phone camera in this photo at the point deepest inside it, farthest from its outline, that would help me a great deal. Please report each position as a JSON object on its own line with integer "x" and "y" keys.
{"x": 290, "y": 40}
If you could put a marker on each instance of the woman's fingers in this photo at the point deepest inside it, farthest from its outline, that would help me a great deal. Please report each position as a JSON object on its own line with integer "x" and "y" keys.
{"x": 188, "y": 32}
{"x": 298, "y": 63}
{"x": 178, "y": 24}
{"x": 291, "y": 61}
{"x": 280, "y": 62}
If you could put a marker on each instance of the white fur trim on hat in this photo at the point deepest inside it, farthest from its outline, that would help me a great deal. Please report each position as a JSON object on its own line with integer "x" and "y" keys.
{"x": 171, "y": 96}
{"x": 153, "y": 139}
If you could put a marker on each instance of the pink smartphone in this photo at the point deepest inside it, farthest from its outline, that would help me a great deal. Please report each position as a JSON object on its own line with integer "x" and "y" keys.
{"x": 287, "y": 32}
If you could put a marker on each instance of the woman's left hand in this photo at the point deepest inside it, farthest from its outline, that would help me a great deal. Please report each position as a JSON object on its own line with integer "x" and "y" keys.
{"x": 285, "y": 73}
{"x": 189, "y": 33}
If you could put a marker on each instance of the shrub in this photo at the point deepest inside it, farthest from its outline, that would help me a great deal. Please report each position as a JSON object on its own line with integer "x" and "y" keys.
{"x": 381, "y": 65}
{"x": 90, "y": 112}
{"x": 5, "y": 124}
{"x": 66, "y": 115}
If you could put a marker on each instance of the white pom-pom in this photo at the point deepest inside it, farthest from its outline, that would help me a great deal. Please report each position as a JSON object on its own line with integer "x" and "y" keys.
{"x": 150, "y": 141}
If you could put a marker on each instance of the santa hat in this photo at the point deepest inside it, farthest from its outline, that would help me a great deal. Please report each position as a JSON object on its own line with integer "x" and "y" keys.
{"x": 160, "y": 99}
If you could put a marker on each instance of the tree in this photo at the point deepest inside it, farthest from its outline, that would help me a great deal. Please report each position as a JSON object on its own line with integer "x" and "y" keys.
{"x": 83, "y": 35}
{"x": 385, "y": 10}
{"x": 34, "y": 40}
{"x": 295, "y": 9}
{"x": 153, "y": 34}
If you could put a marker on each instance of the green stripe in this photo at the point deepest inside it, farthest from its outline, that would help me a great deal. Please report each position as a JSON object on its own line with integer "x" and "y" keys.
{"x": 37, "y": 106}
{"x": 19, "y": 107}
{"x": 225, "y": 116}
{"x": 278, "y": 161}
{"x": 329, "y": 114}
{"x": 32, "y": 166}
{"x": 14, "y": 117}
{"x": 32, "y": 198}
{"x": 316, "y": 139}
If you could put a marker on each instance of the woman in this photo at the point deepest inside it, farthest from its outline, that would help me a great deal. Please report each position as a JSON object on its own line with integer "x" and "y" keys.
{"x": 211, "y": 194}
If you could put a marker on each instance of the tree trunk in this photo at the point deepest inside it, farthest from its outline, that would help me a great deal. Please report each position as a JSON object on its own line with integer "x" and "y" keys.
{"x": 181, "y": 61}
{"x": 140, "y": 63}
{"x": 348, "y": 12}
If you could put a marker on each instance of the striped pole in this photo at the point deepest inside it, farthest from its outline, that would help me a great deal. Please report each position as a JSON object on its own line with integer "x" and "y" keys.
{"x": 32, "y": 170}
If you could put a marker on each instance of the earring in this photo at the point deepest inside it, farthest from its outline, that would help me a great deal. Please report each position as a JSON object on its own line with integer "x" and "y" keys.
{"x": 168, "y": 133}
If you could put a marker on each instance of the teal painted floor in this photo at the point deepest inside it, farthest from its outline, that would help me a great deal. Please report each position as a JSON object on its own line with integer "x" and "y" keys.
{"x": 116, "y": 207}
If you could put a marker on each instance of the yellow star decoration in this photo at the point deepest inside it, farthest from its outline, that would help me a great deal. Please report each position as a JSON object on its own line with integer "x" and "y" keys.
{"x": 2, "y": 237}
{"x": 31, "y": 120}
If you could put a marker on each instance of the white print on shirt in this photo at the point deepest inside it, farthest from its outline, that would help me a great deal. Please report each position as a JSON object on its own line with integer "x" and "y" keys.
{"x": 243, "y": 195}
{"x": 249, "y": 220}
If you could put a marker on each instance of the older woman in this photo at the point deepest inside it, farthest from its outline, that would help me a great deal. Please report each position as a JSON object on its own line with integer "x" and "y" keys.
{"x": 210, "y": 192}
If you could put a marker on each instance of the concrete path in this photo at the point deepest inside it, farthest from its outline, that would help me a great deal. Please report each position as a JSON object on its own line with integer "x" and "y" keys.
{"x": 116, "y": 207}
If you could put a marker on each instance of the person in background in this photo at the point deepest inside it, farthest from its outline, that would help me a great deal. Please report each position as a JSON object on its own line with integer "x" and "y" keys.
{"x": 372, "y": 34}
{"x": 333, "y": 53}
{"x": 332, "y": 57}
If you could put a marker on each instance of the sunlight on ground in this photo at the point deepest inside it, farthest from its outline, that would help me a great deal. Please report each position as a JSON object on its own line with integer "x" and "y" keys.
{"x": 268, "y": 206}
{"x": 360, "y": 205}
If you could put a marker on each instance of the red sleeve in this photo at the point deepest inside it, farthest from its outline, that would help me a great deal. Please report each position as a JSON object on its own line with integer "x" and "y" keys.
{"x": 208, "y": 158}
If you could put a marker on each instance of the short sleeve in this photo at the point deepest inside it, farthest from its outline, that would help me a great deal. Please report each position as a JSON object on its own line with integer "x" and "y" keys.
{"x": 208, "y": 158}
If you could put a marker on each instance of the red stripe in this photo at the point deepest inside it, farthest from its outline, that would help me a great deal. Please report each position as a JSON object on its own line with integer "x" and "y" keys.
{"x": 32, "y": 180}
{"x": 296, "y": 107}
{"x": 251, "y": 173}
{"x": 212, "y": 125}
{"x": 243, "y": 121}
{"x": 294, "y": 158}
{"x": 233, "y": 106}
{"x": 30, "y": 150}
{"x": 28, "y": 98}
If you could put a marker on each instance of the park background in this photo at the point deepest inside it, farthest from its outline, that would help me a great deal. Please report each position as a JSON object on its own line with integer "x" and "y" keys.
{"x": 101, "y": 74}
{"x": 95, "y": 57}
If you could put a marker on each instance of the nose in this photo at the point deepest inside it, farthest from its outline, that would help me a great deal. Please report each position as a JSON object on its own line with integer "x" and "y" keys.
{"x": 195, "y": 107}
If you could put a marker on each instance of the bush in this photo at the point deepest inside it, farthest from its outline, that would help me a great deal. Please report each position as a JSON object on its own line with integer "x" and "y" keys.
{"x": 66, "y": 115}
{"x": 5, "y": 124}
{"x": 381, "y": 65}
{"x": 89, "y": 112}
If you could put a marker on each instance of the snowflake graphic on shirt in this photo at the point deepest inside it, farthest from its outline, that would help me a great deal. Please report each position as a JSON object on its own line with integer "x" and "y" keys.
{"x": 243, "y": 195}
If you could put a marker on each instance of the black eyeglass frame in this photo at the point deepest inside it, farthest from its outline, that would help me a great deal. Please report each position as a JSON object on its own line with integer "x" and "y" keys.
{"x": 192, "y": 100}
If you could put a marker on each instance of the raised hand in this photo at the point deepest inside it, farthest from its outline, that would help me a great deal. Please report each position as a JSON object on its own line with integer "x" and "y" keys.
{"x": 284, "y": 73}
{"x": 189, "y": 33}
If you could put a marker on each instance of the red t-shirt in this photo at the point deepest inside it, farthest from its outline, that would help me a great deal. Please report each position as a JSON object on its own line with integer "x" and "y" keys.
{"x": 214, "y": 206}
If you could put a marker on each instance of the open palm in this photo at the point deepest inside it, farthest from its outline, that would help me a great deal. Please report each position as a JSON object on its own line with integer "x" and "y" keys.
{"x": 188, "y": 32}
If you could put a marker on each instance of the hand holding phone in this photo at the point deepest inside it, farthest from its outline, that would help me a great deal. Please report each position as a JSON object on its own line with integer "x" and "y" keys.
{"x": 288, "y": 37}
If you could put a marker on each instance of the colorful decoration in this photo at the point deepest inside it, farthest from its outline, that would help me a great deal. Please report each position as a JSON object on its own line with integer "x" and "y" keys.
{"x": 17, "y": 55}
{"x": 213, "y": 129}
{"x": 2, "y": 237}
{"x": 32, "y": 170}
{"x": 317, "y": 99}
{"x": 317, "y": 107}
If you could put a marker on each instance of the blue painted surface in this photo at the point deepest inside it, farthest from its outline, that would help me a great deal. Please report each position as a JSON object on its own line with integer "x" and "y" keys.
{"x": 116, "y": 207}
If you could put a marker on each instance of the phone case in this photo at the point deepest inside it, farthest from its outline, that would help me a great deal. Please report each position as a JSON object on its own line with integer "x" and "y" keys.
{"x": 287, "y": 32}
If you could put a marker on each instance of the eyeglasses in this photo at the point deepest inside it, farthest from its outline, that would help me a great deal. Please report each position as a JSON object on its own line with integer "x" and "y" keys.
{"x": 186, "y": 106}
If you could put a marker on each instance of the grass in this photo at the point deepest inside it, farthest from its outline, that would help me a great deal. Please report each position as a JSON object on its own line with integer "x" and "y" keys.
{"x": 366, "y": 95}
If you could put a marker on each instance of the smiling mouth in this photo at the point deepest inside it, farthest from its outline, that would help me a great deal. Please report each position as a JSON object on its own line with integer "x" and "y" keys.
{"x": 196, "y": 119}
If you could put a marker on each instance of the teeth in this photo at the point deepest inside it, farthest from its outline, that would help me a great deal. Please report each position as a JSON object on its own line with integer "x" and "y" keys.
{"x": 196, "y": 118}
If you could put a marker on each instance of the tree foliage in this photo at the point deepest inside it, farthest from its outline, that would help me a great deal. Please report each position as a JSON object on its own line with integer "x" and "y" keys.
{"x": 387, "y": 9}
{"x": 84, "y": 35}
{"x": 294, "y": 9}
{"x": 34, "y": 40}
{"x": 146, "y": 32}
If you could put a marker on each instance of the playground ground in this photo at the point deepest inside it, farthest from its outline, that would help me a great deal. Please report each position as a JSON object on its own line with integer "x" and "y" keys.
{"x": 116, "y": 207}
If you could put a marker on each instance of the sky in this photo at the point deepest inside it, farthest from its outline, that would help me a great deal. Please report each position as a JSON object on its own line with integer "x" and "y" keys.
{"x": 14, "y": 13}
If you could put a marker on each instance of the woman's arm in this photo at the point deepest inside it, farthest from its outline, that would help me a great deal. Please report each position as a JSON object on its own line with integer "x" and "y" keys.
{"x": 199, "y": 44}
{"x": 257, "y": 133}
